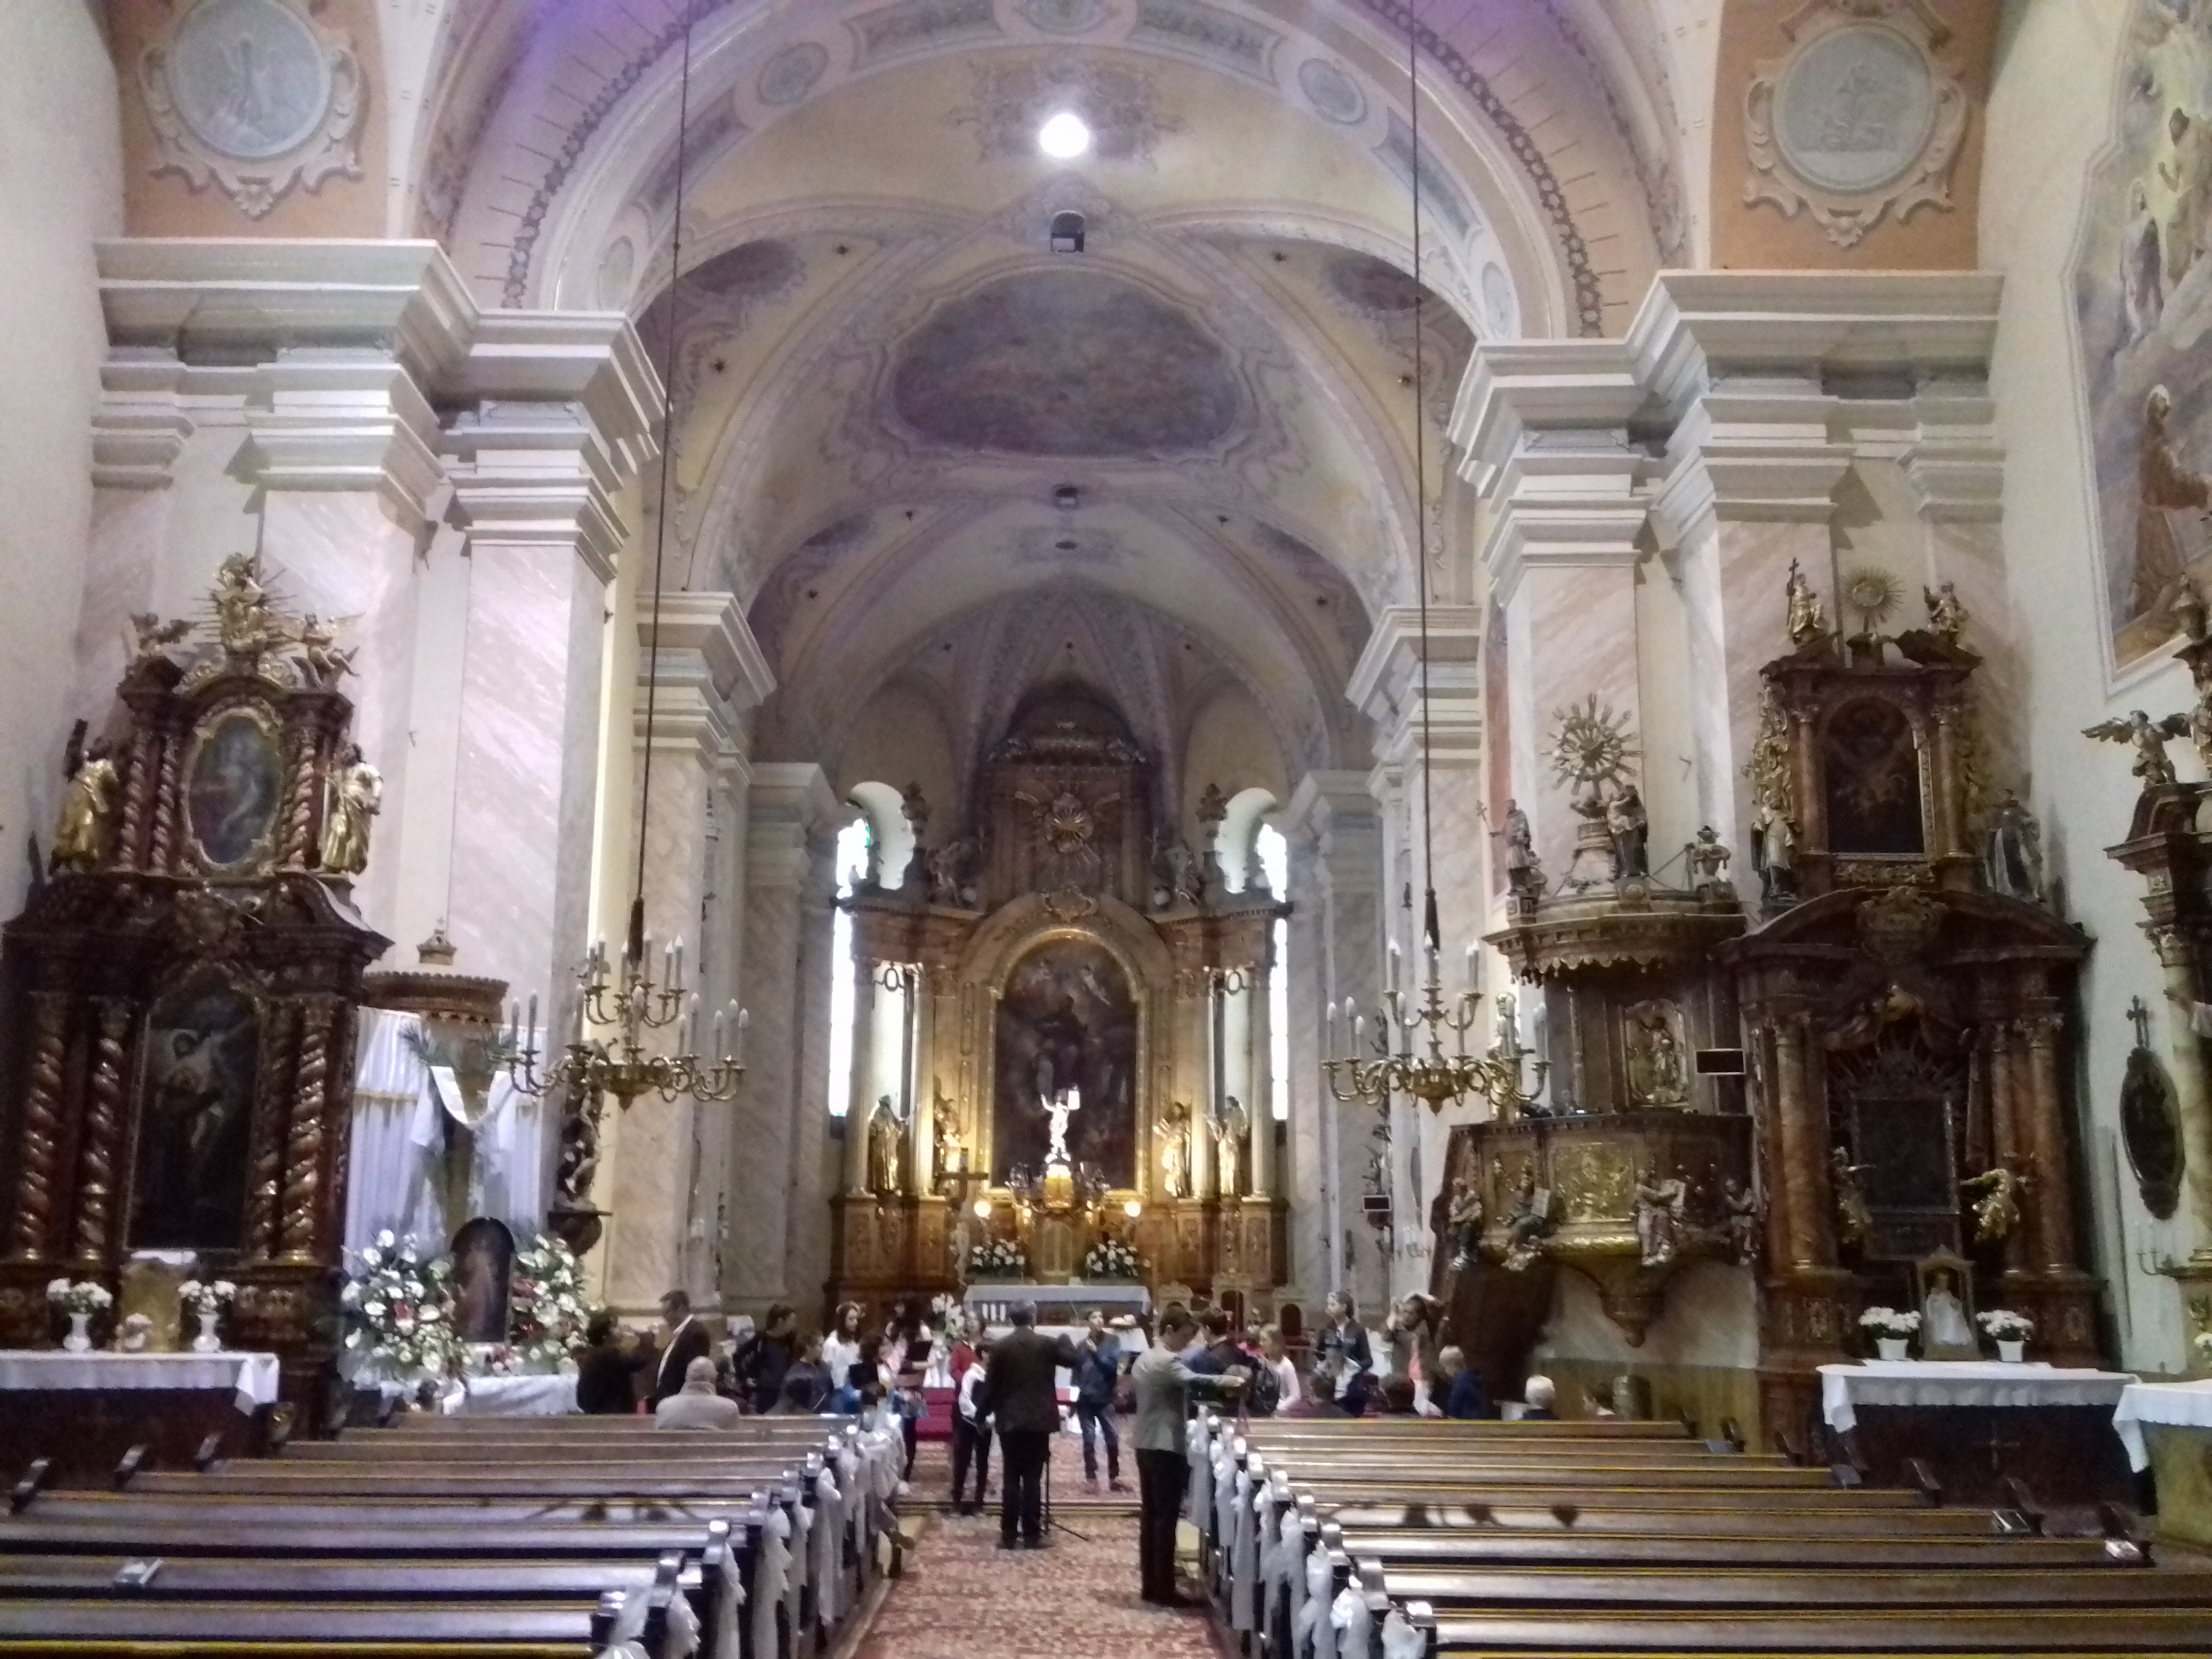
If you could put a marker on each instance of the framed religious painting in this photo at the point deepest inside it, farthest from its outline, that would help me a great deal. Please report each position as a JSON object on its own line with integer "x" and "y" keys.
{"x": 234, "y": 790}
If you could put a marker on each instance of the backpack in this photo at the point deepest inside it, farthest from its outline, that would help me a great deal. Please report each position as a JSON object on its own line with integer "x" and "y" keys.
{"x": 1264, "y": 1395}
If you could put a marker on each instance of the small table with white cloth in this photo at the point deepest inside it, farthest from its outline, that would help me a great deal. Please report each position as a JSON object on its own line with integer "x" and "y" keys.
{"x": 2166, "y": 1428}
{"x": 510, "y": 1396}
{"x": 86, "y": 1410}
{"x": 1973, "y": 1423}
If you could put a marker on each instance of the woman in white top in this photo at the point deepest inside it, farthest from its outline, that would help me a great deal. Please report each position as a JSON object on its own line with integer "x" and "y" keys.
{"x": 1292, "y": 1397}
{"x": 841, "y": 1352}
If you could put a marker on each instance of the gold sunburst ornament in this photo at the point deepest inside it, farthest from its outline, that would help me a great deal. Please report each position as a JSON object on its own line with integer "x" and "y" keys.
{"x": 1873, "y": 593}
{"x": 1591, "y": 747}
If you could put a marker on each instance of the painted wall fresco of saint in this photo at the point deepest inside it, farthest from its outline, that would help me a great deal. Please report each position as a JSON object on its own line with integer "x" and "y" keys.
{"x": 2142, "y": 299}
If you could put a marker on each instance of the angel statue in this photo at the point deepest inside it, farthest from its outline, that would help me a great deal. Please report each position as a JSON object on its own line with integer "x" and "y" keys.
{"x": 88, "y": 804}
{"x": 2149, "y": 736}
{"x": 154, "y": 636}
{"x": 1947, "y": 618}
{"x": 1853, "y": 1218}
{"x": 1807, "y": 620}
{"x": 1739, "y": 1209}
{"x": 354, "y": 795}
{"x": 1173, "y": 1128}
{"x": 1997, "y": 1214}
{"x": 317, "y": 643}
{"x": 1659, "y": 1203}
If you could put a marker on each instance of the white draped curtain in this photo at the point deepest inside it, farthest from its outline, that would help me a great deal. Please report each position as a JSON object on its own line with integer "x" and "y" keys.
{"x": 400, "y": 1137}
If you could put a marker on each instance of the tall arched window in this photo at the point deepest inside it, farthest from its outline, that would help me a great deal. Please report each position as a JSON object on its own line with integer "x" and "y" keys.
{"x": 855, "y": 847}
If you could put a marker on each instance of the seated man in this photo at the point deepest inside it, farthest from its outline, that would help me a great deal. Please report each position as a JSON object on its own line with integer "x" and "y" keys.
{"x": 1461, "y": 1395}
{"x": 1540, "y": 1396}
{"x": 696, "y": 1405}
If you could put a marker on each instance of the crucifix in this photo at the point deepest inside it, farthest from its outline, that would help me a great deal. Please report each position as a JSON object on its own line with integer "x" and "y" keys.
{"x": 2139, "y": 1017}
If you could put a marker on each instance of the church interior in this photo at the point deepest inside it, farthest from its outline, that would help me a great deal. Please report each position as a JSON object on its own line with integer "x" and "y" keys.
{"x": 1512, "y": 697}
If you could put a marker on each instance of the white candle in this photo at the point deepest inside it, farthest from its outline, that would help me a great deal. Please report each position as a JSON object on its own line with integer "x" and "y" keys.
{"x": 1331, "y": 1023}
{"x": 579, "y": 1019}
{"x": 1473, "y": 967}
{"x": 1359, "y": 1033}
{"x": 719, "y": 1050}
{"x": 744, "y": 1019}
{"x": 676, "y": 980}
{"x": 1391, "y": 983}
{"x": 532, "y": 1026}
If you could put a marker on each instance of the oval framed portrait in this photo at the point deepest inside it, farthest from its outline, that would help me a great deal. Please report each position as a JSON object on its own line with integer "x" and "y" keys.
{"x": 234, "y": 790}
{"x": 2150, "y": 1128}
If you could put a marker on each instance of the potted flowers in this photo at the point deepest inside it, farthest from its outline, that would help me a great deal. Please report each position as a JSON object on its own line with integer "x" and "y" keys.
{"x": 998, "y": 1258}
{"x": 1891, "y": 1330}
{"x": 2009, "y": 1330}
{"x": 400, "y": 1305}
{"x": 204, "y": 1301}
{"x": 1110, "y": 1259}
{"x": 546, "y": 1308}
{"x": 80, "y": 1301}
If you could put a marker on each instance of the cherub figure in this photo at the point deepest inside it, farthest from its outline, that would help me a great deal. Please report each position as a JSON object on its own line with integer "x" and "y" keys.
{"x": 1997, "y": 1211}
{"x": 1707, "y": 859}
{"x": 318, "y": 638}
{"x": 1947, "y": 618}
{"x": 155, "y": 636}
{"x": 2150, "y": 737}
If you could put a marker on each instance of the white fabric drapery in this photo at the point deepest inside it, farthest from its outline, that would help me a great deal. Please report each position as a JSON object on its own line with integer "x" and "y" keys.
{"x": 398, "y": 1139}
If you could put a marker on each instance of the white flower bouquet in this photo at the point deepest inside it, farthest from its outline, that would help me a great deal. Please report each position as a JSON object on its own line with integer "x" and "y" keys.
{"x": 1112, "y": 1259}
{"x": 206, "y": 1298}
{"x": 1888, "y": 1321}
{"x": 2003, "y": 1325}
{"x": 546, "y": 1308}
{"x": 998, "y": 1258}
{"x": 82, "y": 1296}
{"x": 401, "y": 1306}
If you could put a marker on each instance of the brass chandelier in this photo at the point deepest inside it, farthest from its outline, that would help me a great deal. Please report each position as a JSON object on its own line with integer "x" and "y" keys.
{"x": 630, "y": 999}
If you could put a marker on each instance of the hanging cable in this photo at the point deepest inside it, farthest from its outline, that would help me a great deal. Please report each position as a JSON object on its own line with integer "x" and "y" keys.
{"x": 1428, "y": 930}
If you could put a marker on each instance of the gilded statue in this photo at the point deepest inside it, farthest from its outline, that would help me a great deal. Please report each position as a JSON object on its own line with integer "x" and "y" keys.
{"x": 1659, "y": 1203}
{"x": 885, "y": 1133}
{"x": 1997, "y": 1211}
{"x": 1657, "y": 1074}
{"x": 241, "y": 607}
{"x": 317, "y": 643}
{"x": 1947, "y": 618}
{"x": 154, "y": 637}
{"x": 1853, "y": 1218}
{"x": 88, "y": 806}
{"x": 352, "y": 796}
{"x": 1173, "y": 1130}
{"x": 1807, "y": 620}
{"x": 1229, "y": 1149}
{"x": 1527, "y": 1222}
{"x": 944, "y": 1127}
{"x": 2149, "y": 737}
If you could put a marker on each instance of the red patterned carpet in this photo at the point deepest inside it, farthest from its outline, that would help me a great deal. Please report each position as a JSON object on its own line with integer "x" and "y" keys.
{"x": 962, "y": 1597}
{"x": 932, "y": 1476}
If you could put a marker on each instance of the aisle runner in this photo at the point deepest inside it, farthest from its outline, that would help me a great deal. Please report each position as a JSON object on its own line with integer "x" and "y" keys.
{"x": 933, "y": 1473}
{"x": 962, "y": 1597}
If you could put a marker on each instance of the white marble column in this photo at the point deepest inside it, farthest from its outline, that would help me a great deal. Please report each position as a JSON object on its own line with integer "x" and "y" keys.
{"x": 664, "y": 1164}
{"x": 776, "y": 1151}
{"x": 1335, "y": 844}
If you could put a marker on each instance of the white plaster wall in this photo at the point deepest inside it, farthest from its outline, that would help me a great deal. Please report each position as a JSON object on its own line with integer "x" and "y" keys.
{"x": 61, "y": 187}
{"x": 1709, "y": 1318}
{"x": 2050, "y": 114}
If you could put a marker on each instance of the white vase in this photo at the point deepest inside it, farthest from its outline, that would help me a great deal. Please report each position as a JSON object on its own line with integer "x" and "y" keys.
{"x": 79, "y": 1340}
{"x": 207, "y": 1341}
{"x": 2010, "y": 1352}
{"x": 1891, "y": 1348}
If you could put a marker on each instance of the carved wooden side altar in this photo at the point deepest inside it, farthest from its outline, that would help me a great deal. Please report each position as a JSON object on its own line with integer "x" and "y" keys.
{"x": 1065, "y": 952}
{"x": 178, "y": 997}
{"x": 1872, "y": 1073}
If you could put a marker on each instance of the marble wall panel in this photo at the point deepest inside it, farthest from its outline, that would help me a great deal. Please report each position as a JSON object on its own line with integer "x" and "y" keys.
{"x": 1571, "y": 635}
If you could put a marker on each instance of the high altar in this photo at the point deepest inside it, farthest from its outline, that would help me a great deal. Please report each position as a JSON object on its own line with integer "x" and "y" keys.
{"x": 1070, "y": 952}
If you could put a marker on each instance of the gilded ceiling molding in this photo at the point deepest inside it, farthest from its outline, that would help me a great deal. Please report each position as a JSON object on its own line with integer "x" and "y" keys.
{"x": 1857, "y": 120}
{"x": 255, "y": 97}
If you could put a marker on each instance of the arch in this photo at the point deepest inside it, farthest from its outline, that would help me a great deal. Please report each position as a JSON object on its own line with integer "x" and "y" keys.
{"x": 1235, "y": 844}
{"x": 890, "y": 836}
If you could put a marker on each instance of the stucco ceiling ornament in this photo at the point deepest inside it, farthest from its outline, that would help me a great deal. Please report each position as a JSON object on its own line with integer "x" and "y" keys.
{"x": 254, "y": 96}
{"x": 1857, "y": 120}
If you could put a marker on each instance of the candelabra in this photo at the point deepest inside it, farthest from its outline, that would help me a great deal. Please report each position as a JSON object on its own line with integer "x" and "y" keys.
{"x": 1435, "y": 1077}
{"x": 633, "y": 1007}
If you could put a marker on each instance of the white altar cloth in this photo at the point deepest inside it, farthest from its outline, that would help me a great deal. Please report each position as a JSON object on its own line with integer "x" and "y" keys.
{"x": 252, "y": 1377}
{"x": 991, "y": 1301}
{"x": 2184, "y": 1405}
{"x": 510, "y": 1396}
{"x": 1844, "y": 1389}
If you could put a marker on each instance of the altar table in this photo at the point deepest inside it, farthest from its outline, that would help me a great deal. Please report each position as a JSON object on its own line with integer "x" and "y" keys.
{"x": 86, "y": 1410}
{"x": 1973, "y": 1423}
{"x": 2167, "y": 1429}
{"x": 1059, "y": 1304}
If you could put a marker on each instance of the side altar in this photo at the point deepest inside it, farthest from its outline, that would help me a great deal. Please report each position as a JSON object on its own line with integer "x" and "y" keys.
{"x": 178, "y": 999}
{"x": 1061, "y": 1043}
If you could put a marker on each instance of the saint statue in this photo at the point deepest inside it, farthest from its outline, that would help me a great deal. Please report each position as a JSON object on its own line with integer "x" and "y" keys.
{"x": 1173, "y": 1129}
{"x": 948, "y": 867}
{"x": 1463, "y": 1224}
{"x": 1228, "y": 1147}
{"x": 1522, "y": 871}
{"x": 353, "y": 795}
{"x": 2011, "y": 859}
{"x": 1774, "y": 853}
{"x": 1997, "y": 1212}
{"x": 1740, "y": 1205}
{"x": 1527, "y": 1222}
{"x": 1707, "y": 859}
{"x": 1630, "y": 827}
{"x": 1058, "y": 1109}
{"x": 1854, "y": 1218}
{"x": 88, "y": 804}
{"x": 1807, "y": 622}
{"x": 241, "y": 607}
{"x": 885, "y": 1133}
{"x": 1658, "y": 1212}
{"x": 1947, "y": 618}
{"x": 1943, "y": 1316}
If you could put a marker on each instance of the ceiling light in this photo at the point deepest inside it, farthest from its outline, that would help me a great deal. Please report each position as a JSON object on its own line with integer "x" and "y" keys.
{"x": 1064, "y": 136}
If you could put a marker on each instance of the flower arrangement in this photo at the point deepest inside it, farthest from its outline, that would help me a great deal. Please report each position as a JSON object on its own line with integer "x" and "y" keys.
{"x": 1112, "y": 1259}
{"x": 998, "y": 1258}
{"x": 206, "y": 1299}
{"x": 2003, "y": 1325}
{"x": 82, "y": 1297}
{"x": 400, "y": 1303}
{"x": 134, "y": 1334}
{"x": 1888, "y": 1321}
{"x": 546, "y": 1307}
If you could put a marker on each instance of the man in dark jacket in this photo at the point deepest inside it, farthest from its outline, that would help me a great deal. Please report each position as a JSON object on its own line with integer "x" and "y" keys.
{"x": 1021, "y": 1374}
{"x": 766, "y": 1356}
{"x": 1097, "y": 1368}
{"x": 604, "y": 1370}
{"x": 686, "y": 1341}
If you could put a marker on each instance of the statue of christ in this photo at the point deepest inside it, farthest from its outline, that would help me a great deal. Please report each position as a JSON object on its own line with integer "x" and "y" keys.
{"x": 1059, "y": 1108}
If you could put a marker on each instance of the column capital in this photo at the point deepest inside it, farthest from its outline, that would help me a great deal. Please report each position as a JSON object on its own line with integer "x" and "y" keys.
{"x": 788, "y": 805}
{"x": 1386, "y": 684}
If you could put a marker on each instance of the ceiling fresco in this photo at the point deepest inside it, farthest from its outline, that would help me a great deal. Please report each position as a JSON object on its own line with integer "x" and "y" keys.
{"x": 1066, "y": 363}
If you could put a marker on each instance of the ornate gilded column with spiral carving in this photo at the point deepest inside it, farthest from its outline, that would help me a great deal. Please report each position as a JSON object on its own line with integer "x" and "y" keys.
{"x": 40, "y": 1147}
{"x": 2045, "y": 1133}
{"x": 96, "y": 1184}
{"x": 264, "y": 1189}
{"x": 1806, "y": 1227}
{"x": 302, "y": 1190}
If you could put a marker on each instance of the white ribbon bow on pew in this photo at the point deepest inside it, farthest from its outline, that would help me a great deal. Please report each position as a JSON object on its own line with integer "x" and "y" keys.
{"x": 1399, "y": 1639}
{"x": 1355, "y": 1625}
{"x": 828, "y": 1539}
{"x": 772, "y": 1578}
{"x": 1312, "y": 1630}
{"x": 1242, "y": 1557}
{"x": 682, "y": 1625}
{"x": 1198, "y": 1500}
{"x": 1222, "y": 1524}
{"x": 732, "y": 1609}
{"x": 1258, "y": 1546}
